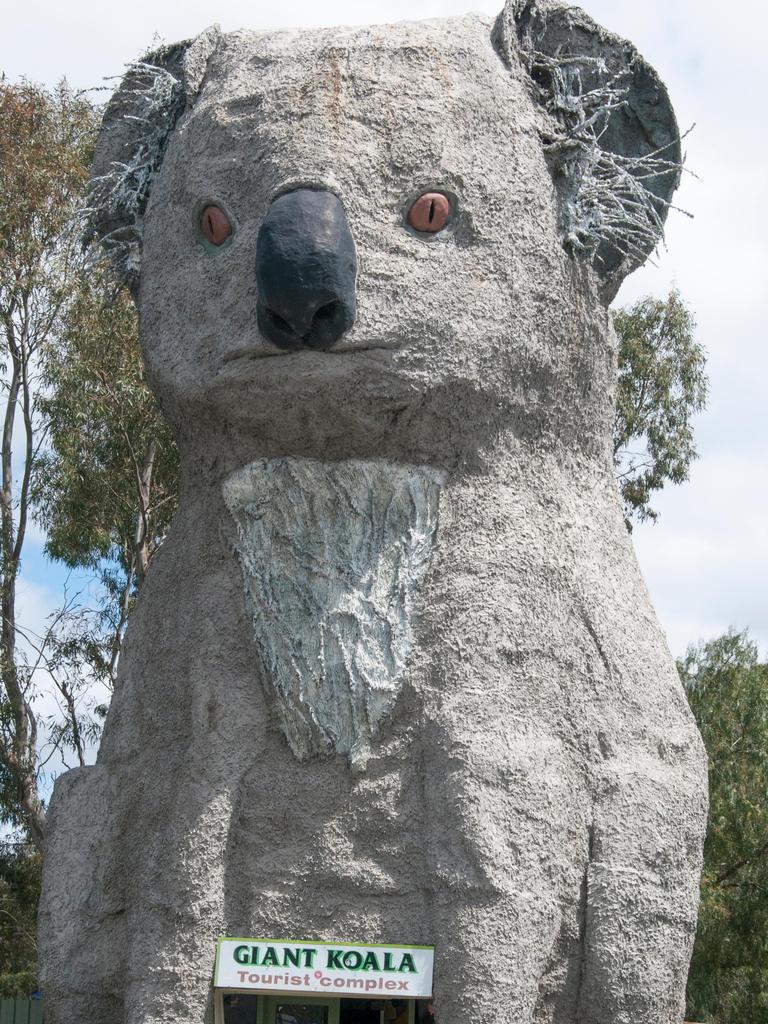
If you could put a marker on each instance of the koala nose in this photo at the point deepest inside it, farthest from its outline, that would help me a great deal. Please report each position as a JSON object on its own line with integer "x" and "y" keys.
{"x": 306, "y": 269}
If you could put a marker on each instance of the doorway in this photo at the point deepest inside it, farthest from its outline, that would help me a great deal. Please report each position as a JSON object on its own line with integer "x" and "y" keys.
{"x": 244, "y": 1008}
{"x": 360, "y": 1011}
{"x": 300, "y": 1011}
{"x": 239, "y": 1009}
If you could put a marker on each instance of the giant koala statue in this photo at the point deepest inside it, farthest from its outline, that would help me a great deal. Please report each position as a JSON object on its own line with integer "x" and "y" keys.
{"x": 394, "y": 675}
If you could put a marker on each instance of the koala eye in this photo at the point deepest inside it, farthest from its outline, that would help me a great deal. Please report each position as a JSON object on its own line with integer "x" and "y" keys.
{"x": 214, "y": 225}
{"x": 430, "y": 212}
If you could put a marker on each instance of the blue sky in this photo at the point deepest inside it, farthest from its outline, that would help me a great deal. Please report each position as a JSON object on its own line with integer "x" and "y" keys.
{"x": 706, "y": 560}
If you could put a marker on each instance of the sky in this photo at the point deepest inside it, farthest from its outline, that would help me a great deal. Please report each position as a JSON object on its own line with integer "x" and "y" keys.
{"x": 706, "y": 559}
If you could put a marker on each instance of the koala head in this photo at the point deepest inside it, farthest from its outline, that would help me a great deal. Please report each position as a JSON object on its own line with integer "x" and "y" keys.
{"x": 392, "y": 241}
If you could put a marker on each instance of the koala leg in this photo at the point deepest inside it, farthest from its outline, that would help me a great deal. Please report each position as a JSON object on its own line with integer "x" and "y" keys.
{"x": 642, "y": 891}
{"x": 82, "y": 907}
{"x": 177, "y": 860}
{"x": 510, "y": 840}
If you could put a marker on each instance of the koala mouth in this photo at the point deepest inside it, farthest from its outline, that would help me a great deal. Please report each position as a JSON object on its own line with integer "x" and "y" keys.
{"x": 262, "y": 352}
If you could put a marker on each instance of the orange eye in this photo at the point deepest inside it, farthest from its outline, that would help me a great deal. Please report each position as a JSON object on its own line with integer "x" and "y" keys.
{"x": 430, "y": 212}
{"x": 214, "y": 225}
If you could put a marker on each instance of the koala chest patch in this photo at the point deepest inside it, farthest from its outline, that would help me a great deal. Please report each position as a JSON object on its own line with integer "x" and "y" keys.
{"x": 331, "y": 555}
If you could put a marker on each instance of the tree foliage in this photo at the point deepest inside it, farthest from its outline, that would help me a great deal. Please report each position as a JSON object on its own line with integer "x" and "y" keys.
{"x": 95, "y": 466}
{"x": 105, "y": 489}
{"x": 19, "y": 894}
{"x": 83, "y": 450}
{"x": 662, "y": 385}
{"x": 727, "y": 688}
{"x": 46, "y": 139}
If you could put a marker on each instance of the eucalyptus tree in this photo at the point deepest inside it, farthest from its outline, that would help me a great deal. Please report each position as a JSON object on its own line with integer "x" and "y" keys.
{"x": 84, "y": 450}
{"x": 662, "y": 385}
{"x": 106, "y": 488}
{"x": 45, "y": 143}
{"x": 19, "y": 895}
{"x": 727, "y": 687}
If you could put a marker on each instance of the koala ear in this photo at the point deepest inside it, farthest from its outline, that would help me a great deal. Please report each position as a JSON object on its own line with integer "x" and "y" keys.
{"x": 138, "y": 120}
{"x": 613, "y": 143}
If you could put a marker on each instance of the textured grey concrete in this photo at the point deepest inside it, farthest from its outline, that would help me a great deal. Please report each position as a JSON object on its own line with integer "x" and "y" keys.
{"x": 533, "y": 803}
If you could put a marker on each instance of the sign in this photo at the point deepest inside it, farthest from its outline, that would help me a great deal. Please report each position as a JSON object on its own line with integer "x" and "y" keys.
{"x": 325, "y": 968}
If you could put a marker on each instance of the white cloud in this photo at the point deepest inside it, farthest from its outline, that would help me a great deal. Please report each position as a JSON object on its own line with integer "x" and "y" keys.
{"x": 35, "y": 602}
{"x": 83, "y": 40}
{"x": 705, "y": 561}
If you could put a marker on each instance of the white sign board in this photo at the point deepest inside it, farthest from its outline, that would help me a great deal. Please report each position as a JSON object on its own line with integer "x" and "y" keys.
{"x": 325, "y": 968}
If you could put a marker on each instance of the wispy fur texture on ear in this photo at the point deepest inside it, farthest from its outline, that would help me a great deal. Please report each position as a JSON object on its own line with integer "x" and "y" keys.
{"x": 154, "y": 92}
{"x": 614, "y": 147}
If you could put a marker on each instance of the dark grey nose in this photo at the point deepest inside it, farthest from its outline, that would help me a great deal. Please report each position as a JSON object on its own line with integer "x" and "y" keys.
{"x": 305, "y": 271}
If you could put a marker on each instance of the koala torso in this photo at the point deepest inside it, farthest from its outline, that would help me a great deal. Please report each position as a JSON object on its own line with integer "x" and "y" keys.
{"x": 394, "y": 674}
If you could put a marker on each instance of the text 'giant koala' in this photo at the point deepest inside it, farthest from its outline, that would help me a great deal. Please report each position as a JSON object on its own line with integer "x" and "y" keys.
{"x": 394, "y": 675}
